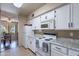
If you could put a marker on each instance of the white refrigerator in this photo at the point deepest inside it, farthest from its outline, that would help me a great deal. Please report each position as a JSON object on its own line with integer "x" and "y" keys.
{"x": 29, "y": 39}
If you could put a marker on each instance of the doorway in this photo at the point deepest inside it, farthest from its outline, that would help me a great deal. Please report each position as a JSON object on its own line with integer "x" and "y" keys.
{"x": 8, "y": 35}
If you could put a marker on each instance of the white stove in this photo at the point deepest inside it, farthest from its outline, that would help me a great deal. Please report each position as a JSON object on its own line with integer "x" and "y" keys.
{"x": 44, "y": 45}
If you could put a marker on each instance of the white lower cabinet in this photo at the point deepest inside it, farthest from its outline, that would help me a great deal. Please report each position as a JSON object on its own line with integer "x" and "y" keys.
{"x": 32, "y": 44}
{"x": 73, "y": 53}
{"x": 57, "y": 50}
{"x": 56, "y": 53}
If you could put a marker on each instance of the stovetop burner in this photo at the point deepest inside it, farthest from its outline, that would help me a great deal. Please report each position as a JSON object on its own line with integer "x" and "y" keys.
{"x": 48, "y": 39}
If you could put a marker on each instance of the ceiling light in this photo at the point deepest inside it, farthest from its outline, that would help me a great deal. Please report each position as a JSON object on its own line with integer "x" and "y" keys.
{"x": 18, "y": 5}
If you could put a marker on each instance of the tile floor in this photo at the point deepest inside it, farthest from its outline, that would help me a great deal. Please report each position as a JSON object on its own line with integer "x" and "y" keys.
{"x": 8, "y": 45}
{"x": 19, "y": 51}
{"x": 13, "y": 50}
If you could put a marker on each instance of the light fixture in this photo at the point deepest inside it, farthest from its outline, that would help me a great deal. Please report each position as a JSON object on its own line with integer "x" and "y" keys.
{"x": 18, "y": 5}
{"x": 3, "y": 18}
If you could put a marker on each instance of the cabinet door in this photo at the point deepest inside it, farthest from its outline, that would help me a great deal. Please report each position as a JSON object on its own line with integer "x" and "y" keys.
{"x": 73, "y": 53}
{"x": 33, "y": 24}
{"x": 75, "y": 16}
{"x": 56, "y": 53}
{"x": 50, "y": 15}
{"x": 62, "y": 17}
{"x": 36, "y": 23}
{"x": 47, "y": 16}
{"x": 51, "y": 19}
{"x": 59, "y": 48}
{"x": 32, "y": 44}
{"x": 44, "y": 17}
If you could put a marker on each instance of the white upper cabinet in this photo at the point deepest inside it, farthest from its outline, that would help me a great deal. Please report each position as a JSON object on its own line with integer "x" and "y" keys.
{"x": 33, "y": 24}
{"x": 44, "y": 17}
{"x": 75, "y": 16}
{"x": 62, "y": 17}
{"x": 51, "y": 19}
{"x": 47, "y": 16}
{"x": 50, "y": 15}
{"x": 36, "y": 23}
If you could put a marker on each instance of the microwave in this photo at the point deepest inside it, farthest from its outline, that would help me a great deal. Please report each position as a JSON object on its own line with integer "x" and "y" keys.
{"x": 45, "y": 25}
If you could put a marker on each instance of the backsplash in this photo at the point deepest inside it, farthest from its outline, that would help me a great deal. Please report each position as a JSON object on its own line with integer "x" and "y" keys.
{"x": 74, "y": 34}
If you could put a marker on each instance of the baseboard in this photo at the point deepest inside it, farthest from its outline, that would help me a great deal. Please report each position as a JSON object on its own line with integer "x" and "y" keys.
{"x": 32, "y": 51}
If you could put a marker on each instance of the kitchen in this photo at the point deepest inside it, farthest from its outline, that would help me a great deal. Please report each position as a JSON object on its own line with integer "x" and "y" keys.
{"x": 51, "y": 29}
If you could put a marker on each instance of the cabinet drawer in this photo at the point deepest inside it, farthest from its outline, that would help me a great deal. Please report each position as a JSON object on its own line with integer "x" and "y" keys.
{"x": 59, "y": 48}
{"x": 73, "y": 53}
{"x": 56, "y": 53}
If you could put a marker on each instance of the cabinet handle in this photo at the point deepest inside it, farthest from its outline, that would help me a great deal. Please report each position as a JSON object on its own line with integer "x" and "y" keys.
{"x": 45, "y": 17}
{"x": 55, "y": 11}
{"x": 55, "y": 15}
{"x": 54, "y": 24}
{"x": 58, "y": 48}
{"x": 69, "y": 25}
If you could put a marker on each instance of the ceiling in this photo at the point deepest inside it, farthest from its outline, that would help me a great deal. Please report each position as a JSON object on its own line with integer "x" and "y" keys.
{"x": 9, "y": 10}
{"x": 28, "y": 8}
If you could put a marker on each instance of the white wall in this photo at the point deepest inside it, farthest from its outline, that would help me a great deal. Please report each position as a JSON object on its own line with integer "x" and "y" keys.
{"x": 22, "y": 21}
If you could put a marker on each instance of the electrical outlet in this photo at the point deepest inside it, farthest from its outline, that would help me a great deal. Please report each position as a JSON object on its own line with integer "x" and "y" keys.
{"x": 71, "y": 34}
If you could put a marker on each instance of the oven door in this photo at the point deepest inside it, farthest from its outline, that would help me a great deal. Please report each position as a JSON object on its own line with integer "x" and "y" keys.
{"x": 46, "y": 48}
{"x": 38, "y": 50}
{"x": 37, "y": 44}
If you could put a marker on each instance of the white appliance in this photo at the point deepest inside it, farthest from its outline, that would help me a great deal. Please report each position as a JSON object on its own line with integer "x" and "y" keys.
{"x": 43, "y": 45}
{"x": 45, "y": 25}
{"x": 29, "y": 39}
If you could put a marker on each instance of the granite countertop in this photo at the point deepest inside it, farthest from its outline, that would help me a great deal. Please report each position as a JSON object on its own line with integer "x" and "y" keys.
{"x": 67, "y": 42}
